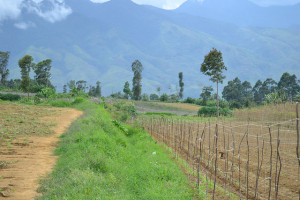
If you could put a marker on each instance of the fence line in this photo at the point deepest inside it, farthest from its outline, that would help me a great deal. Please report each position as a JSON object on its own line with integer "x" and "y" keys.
{"x": 248, "y": 159}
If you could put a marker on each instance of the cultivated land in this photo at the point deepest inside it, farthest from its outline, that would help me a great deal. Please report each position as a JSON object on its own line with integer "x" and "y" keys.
{"x": 28, "y": 137}
{"x": 259, "y": 156}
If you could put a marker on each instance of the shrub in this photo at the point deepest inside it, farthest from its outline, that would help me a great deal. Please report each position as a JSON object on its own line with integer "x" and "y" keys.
{"x": 212, "y": 111}
{"x": 10, "y": 97}
{"x": 145, "y": 97}
{"x": 78, "y": 100}
{"x": 164, "y": 97}
{"x": 154, "y": 97}
{"x": 189, "y": 100}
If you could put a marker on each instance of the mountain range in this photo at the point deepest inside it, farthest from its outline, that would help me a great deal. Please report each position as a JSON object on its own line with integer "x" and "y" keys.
{"x": 100, "y": 41}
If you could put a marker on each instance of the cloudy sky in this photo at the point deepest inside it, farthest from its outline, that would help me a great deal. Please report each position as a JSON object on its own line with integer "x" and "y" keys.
{"x": 12, "y": 9}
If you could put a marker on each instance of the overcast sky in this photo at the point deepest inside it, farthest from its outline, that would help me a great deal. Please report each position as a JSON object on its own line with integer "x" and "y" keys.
{"x": 12, "y": 9}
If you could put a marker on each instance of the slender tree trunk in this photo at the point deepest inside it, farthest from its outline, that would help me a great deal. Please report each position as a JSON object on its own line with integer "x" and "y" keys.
{"x": 218, "y": 99}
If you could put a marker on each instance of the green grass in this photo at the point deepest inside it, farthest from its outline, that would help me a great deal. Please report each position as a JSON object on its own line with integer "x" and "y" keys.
{"x": 147, "y": 106}
{"x": 98, "y": 161}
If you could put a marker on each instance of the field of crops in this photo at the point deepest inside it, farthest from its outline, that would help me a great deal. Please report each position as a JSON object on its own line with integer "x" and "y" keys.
{"x": 252, "y": 155}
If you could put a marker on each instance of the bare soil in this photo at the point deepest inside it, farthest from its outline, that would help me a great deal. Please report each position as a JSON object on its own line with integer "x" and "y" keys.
{"x": 28, "y": 159}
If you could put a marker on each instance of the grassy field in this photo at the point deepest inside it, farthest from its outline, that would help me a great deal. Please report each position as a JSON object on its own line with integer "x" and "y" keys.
{"x": 100, "y": 161}
{"x": 174, "y": 108}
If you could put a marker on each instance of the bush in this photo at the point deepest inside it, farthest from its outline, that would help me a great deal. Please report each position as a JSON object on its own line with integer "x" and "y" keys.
{"x": 78, "y": 100}
{"x": 145, "y": 97}
{"x": 189, "y": 100}
{"x": 10, "y": 97}
{"x": 212, "y": 111}
{"x": 154, "y": 97}
{"x": 164, "y": 97}
{"x": 46, "y": 93}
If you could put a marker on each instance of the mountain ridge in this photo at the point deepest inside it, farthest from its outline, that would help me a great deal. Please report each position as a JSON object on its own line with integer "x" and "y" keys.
{"x": 102, "y": 44}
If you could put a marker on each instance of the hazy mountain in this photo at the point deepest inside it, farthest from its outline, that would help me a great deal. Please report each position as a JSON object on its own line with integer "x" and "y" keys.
{"x": 244, "y": 12}
{"x": 100, "y": 41}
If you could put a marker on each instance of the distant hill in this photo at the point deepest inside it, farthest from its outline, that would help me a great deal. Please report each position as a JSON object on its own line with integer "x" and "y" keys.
{"x": 100, "y": 41}
{"x": 244, "y": 12}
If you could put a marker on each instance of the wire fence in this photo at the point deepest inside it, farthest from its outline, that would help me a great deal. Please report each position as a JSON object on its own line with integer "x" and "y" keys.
{"x": 247, "y": 157}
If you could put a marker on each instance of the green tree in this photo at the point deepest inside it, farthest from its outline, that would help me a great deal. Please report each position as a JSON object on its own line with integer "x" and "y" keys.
{"x": 92, "y": 91}
{"x": 137, "y": 69}
{"x": 164, "y": 97}
{"x": 65, "y": 89}
{"x": 25, "y": 63}
{"x": 127, "y": 90}
{"x": 288, "y": 83}
{"x": 81, "y": 85}
{"x": 181, "y": 85}
{"x": 145, "y": 97}
{"x": 154, "y": 97}
{"x": 71, "y": 84}
{"x": 206, "y": 94}
{"x": 42, "y": 73}
{"x": 98, "y": 92}
{"x": 4, "y": 57}
{"x": 258, "y": 98}
{"x": 158, "y": 89}
{"x": 213, "y": 66}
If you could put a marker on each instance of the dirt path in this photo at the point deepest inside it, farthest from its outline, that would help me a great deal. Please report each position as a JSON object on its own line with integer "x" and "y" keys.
{"x": 31, "y": 159}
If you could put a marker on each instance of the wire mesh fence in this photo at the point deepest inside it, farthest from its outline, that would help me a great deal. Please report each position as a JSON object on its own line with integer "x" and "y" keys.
{"x": 253, "y": 155}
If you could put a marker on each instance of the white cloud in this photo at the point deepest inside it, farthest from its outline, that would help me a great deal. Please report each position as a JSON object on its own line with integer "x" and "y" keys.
{"x": 24, "y": 25}
{"x": 50, "y": 10}
{"x": 10, "y": 9}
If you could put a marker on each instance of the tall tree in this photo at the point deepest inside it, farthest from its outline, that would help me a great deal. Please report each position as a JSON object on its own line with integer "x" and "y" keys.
{"x": 71, "y": 84}
{"x": 181, "y": 85}
{"x": 4, "y": 57}
{"x": 206, "y": 94}
{"x": 137, "y": 69}
{"x": 258, "y": 98}
{"x": 288, "y": 83}
{"x": 213, "y": 66}
{"x": 127, "y": 90}
{"x": 98, "y": 89}
{"x": 25, "y": 63}
{"x": 81, "y": 85}
{"x": 65, "y": 89}
{"x": 42, "y": 72}
{"x": 158, "y": 89}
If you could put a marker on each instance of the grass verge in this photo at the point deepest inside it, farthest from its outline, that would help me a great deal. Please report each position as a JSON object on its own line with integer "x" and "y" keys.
{"x": 99, "y": 161}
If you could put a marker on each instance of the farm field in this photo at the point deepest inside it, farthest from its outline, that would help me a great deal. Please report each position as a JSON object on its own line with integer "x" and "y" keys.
{"x": 28, "y": 138}
{"x": 174, "y": 108}
{"x": 252, "y": 155}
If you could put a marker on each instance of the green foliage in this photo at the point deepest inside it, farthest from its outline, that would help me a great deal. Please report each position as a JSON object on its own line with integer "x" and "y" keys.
{"x": 47, "y": 93}
{"x": 26, "y": 63}
{"x": 120, "y": 126}
{"x": 206, "y": 94}
{"x": 181, "y": 85}
{"x": 127, "y": 90}
{"x": 213, "y": 66}
{"x": 137, "y": 69}
{"x": 159, "y": 113}
{"x": 98, "y": 161}
{"x": 10, "y": 97}
{"x": 145, "y": 97}
{"x": 212, "y": 111}
{"x": 189, "y": 100}
{"x": 4, "y": 57}
{"x": 288, "y": 83}
{"x": 42, "y": 72}
{"x": 60, "y": 103}
{"x": 154, "y": 97}
{"x": 164, "y": 97}
{"x": 78, "y": 100}
{"x": 123, "y": 110}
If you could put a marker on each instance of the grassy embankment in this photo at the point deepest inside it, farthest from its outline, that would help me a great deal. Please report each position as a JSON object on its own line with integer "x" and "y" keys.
{"x": 100, "y": 161}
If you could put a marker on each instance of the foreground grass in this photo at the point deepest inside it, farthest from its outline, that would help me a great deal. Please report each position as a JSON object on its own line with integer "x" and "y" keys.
{"x": 99, "y": 161}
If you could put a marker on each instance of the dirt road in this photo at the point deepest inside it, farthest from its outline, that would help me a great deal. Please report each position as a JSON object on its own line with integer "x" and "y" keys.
{"x": 28, "y": 160}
